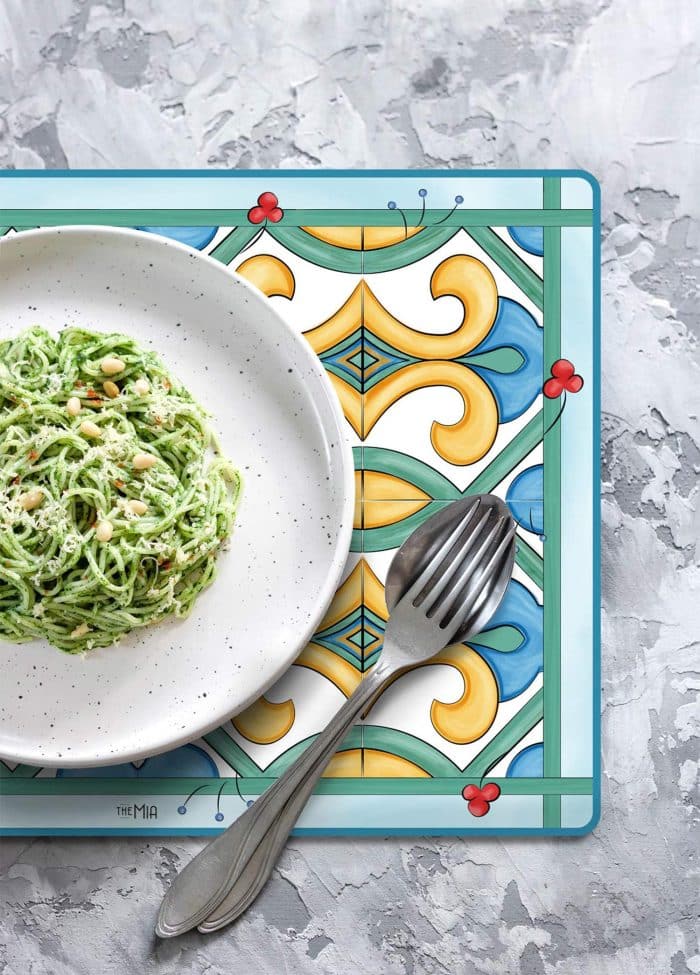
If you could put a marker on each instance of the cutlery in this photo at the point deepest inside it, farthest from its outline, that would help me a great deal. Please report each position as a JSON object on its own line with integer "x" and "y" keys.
{"x": 445, "y": 582}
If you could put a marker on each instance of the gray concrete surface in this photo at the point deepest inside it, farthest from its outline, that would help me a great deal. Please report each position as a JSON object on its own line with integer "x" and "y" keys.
{"x": 609, "y": 85}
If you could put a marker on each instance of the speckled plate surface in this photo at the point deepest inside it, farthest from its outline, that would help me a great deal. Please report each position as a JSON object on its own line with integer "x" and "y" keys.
{"x": 279, "y": 420}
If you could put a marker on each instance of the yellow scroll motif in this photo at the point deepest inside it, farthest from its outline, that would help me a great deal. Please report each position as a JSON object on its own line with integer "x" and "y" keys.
{"x": 269, "y": 274}
{"x": 340, "y": 325}
{"x": 461, "y": 276}
{"x": 471, "y": 716}
{"x": 460, "y": 443}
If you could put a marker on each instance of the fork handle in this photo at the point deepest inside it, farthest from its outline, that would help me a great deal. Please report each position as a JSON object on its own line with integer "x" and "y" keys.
{"x": 221, "y": 881}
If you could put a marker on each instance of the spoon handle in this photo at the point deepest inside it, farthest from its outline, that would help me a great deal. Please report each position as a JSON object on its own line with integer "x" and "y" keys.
{"x": 221, "y": 881}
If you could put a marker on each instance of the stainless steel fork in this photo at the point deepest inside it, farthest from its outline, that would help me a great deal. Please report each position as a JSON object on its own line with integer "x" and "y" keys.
{"x": 455, "y": 579}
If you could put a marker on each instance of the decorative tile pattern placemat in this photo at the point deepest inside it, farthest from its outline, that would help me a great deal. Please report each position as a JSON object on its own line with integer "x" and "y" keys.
{"x": 457, "y": 316}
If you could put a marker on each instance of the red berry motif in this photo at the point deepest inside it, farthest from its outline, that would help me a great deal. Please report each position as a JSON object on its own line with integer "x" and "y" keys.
{"x": 478, "y": 807}
{"x": 267, "y": 209}
{"x": 491, "y": 791}
{"x": 564, "y": 378}
{"x": 479, "y": 800}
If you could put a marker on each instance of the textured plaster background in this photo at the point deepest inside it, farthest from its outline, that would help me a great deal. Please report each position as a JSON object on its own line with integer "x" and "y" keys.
{"x": 609, "y": 85}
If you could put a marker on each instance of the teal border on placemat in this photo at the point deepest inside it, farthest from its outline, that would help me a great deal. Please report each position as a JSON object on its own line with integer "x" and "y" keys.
{"x": 532, "y": 217}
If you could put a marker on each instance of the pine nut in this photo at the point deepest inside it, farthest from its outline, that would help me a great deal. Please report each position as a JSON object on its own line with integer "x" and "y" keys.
{"x": 104, "y": 531}
{"x": 111, "y": 389}
{"x": 32, "y": 499}
{"x": 141, "y": 387}
{"x": 142, "y": 462}
{"x": 73, "y": 406}
{"x": 90, "y": 429}
{"x": 110, "y": 365}
{"x": 137, "y": 507}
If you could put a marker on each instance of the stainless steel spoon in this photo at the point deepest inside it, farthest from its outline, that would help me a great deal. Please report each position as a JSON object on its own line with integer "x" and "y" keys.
{"x": 445, "y": 582}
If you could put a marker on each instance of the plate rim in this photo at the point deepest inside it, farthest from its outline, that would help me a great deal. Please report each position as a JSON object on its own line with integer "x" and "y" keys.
{"x": 347, "y": 478}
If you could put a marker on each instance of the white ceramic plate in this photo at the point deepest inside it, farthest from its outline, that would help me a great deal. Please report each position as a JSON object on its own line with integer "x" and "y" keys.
{"x": 281, "y": 424}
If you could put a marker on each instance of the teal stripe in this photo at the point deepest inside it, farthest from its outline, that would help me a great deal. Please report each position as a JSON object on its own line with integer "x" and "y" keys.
{"x": 412, "y": 470}
{"x": 508, "y": 737}
{"x": 552, "y": 510}
{"x": 231, "y": 752}
{"x": 517, "y": 450}
{"x": 255, "y": 785}
{"x": 510, "y": 262}
{"x": 407, "y": 251}
{"x": 317, "y": 251}
{"x": 283, "y": 761}
{"x": 232, "y": 245}
{"x": 19, "y": 771}
{"x": 222, "y": 217}
{"x": 391, "y": 536}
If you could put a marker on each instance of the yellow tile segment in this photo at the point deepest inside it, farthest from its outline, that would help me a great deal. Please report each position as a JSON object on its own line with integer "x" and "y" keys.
{"x": 376, "y": 237}
{"x": 342, "y": 323}
{"x": 387, "y": 487}
{"x": 378, "y": 514}
{"x": 331, "y": 666}
{"x": 373, "y": 591}
{"x": 269, "y": 274}
{"x": 357, "y": 523}
{"x": 348, "y": 237}
{"x": 353, "y": 238}
{"x": 460, "y": 443}
{"x": 345, "y": 765}
{"x": 385, "y": 765}
{"x": 350, "y": 401}
{"x": 265, "y": 722}
{"x": 346, "y": 600}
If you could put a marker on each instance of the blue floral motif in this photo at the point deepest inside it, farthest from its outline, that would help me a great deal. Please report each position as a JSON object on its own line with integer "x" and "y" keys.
{"x": 514, "y": 328}
{"x": 525, "y": 498}
{"x": 515, "y": 670}
{"x": 188, "y": 761}
{"x": 531, "y": 239}
{"x": 527, "y": 764}
{"x": 197, "y": 237}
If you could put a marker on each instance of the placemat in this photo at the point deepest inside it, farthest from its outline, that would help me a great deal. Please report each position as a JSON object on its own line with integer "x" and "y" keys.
{"x": 457, "y": 315}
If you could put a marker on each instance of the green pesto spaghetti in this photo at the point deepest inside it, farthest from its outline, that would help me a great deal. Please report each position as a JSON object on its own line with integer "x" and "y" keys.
{"x": 114, "y": 497}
